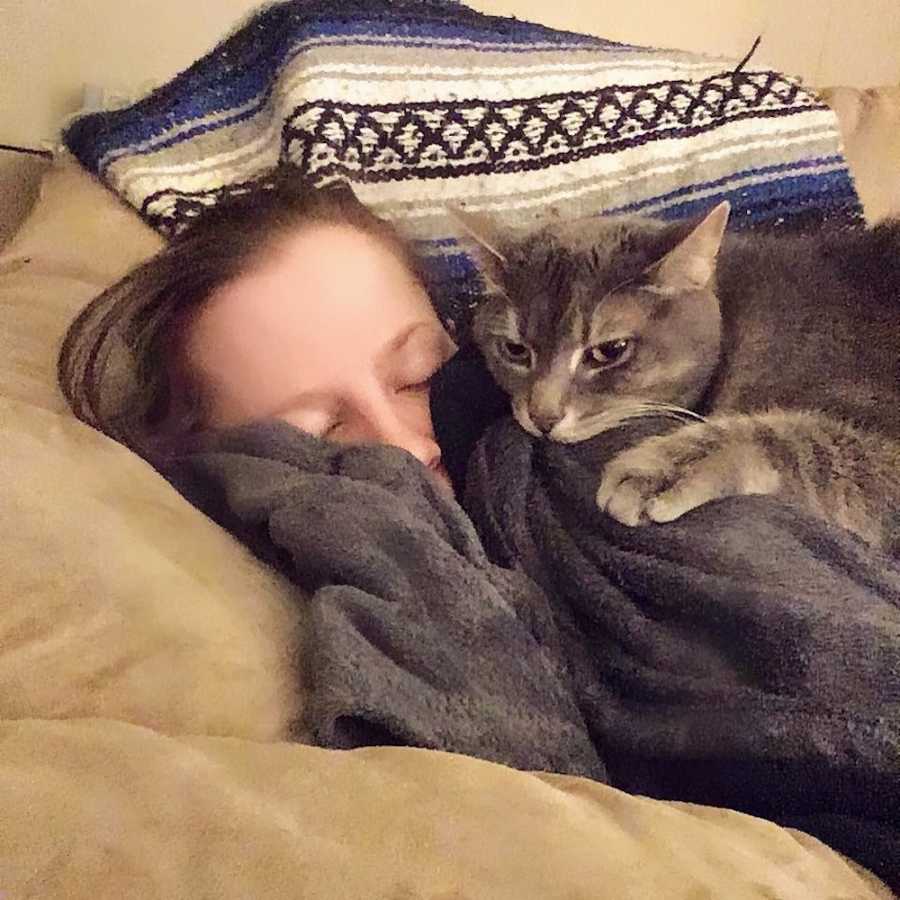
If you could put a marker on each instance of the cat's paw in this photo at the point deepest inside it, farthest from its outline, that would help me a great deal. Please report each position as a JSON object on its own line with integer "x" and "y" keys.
{"x": 662, "y": 478}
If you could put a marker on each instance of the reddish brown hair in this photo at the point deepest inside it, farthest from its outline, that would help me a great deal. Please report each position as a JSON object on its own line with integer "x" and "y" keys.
{"x": 117, "y": 367}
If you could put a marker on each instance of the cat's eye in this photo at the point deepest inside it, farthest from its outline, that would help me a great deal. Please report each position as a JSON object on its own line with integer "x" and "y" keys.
{"x": 608, "y": 353}
{"x": 515, "y": 353}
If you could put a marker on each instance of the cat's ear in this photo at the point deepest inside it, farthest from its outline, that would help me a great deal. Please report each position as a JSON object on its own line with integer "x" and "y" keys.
{"x": 692, "y": 264}
{"x": 479, "y": 229}
{"x": 482, "y": 237}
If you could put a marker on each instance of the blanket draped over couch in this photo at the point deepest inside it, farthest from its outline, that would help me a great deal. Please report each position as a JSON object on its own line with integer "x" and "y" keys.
{"x": 423, "y": 103}
{"x": 745, "y": 656}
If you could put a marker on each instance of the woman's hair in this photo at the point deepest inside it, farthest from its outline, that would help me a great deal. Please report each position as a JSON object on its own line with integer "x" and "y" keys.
{"x": 120, "y": 367}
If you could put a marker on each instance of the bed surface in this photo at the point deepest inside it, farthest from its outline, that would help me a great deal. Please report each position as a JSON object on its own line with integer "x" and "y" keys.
{"x": 145, "y": 707}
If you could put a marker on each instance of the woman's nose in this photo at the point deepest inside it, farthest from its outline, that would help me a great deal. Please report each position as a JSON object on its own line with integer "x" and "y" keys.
{"x": 411, "y": 430}
{"x": 421, "y": 445}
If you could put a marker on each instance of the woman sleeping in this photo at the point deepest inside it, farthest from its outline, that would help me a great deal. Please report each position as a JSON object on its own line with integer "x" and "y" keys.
{"x": 284, "y": 368}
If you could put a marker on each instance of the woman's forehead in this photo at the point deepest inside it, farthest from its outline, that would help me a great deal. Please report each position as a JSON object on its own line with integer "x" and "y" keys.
{"x": 324, "y": 274}
{"x": 322, "y": 299}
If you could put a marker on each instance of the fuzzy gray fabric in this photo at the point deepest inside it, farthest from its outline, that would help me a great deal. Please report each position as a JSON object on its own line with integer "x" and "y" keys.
{"x": 745, "y": 656}
{"x": 416, "y": 638}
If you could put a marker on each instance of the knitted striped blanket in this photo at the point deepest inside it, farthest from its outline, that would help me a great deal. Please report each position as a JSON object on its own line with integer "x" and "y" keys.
{"x": 424, "y": 103}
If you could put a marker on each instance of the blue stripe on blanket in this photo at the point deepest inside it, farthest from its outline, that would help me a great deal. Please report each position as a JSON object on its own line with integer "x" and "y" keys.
{"x": 284, "y": 30}
{"x": 651, "y": 205}
{"x": 138, "y": 137}
{"x": 452, "y": 273}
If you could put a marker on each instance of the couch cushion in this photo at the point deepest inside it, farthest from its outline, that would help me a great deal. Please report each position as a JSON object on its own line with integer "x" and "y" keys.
{"x": 96, "y": 810}
{"x": 118, "y": 598}
{"x": 870, "y": 126}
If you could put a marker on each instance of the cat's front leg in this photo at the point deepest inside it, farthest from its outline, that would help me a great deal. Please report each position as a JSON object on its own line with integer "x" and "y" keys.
{"x": 662, "y": 478}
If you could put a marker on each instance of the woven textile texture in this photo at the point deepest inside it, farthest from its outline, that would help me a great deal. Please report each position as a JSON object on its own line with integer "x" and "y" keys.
{"x": 424, "y": 103}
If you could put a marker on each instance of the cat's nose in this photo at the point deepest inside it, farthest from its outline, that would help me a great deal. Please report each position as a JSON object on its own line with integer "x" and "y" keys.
{"x": 546, "y": 404}
{"x": 544, "y": 421}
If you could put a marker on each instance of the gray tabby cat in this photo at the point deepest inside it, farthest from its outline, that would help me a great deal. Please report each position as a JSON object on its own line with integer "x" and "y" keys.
{"x": 779, "y": 354}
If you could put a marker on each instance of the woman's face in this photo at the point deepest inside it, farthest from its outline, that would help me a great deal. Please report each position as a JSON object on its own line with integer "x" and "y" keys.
{"x": 329, "y": 332}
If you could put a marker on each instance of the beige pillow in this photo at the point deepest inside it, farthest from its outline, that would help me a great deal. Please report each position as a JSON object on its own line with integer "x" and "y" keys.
{"x": 870, "y": 127}
{"x": 117, "y": 598}
{"x": 96, "y": 810}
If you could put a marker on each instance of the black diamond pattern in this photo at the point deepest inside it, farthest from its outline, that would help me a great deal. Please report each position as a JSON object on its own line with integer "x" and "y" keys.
{"x": 390, "y": 142}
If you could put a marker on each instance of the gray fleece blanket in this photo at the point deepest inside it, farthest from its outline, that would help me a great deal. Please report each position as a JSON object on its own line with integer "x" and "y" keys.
{"x": 416, "y": 637}
{"x": 746, "y": 656}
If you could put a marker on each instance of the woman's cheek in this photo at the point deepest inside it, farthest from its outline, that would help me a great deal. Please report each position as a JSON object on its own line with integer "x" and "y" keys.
{"x": 305, "y": 422}
{"x": 415, "y": 410}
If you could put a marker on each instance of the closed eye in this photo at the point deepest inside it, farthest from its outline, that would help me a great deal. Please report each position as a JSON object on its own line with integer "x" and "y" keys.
{"x": 421, "y": 360}
{"x": 330, "y": 431}
{"x": 417, "y": 385}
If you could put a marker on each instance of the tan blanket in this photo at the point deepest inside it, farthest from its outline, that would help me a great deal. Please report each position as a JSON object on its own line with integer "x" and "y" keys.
{"x": 194, "y": 638}
{"x": 100, "y": 809}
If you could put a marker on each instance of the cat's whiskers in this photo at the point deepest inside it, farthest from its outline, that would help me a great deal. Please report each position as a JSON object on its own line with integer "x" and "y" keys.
{"x": 607, "y": 420}
{"x": 687, "y": 414}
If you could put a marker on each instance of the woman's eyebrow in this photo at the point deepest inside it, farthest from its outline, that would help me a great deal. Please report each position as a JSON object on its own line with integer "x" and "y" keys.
{"x": 426, "y": 332}
{"x": 403, "y": 338}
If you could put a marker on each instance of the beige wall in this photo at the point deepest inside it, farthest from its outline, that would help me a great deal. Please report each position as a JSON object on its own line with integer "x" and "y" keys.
{"x": 826, "y": 41}
{"x": 50, "y": 48}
